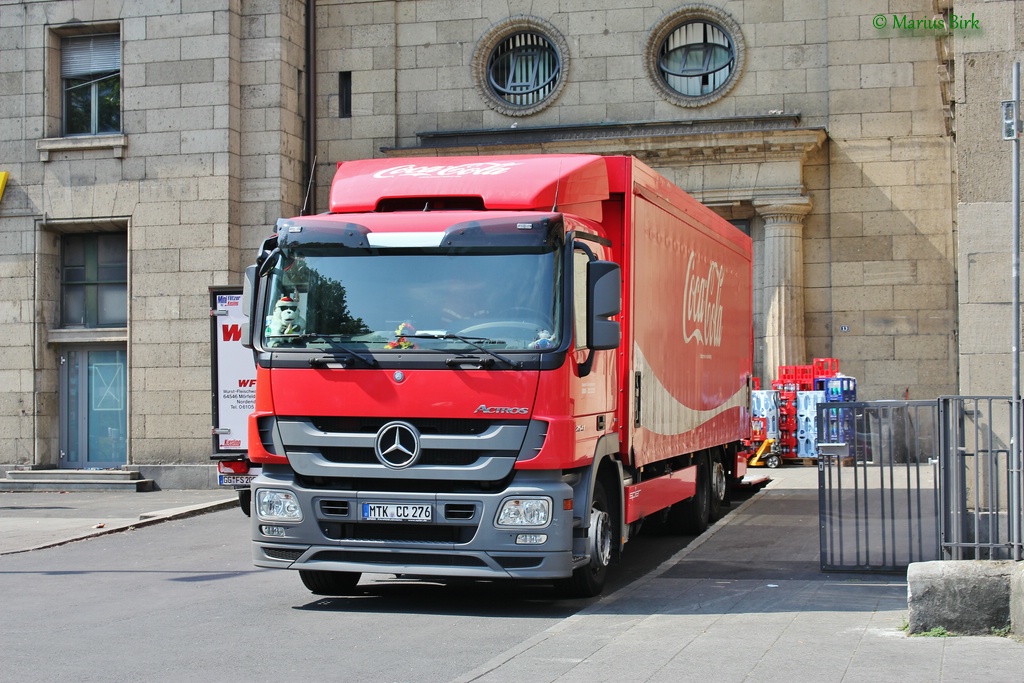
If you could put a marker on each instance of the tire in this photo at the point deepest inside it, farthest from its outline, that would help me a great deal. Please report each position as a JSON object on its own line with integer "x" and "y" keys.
{"x": 245, "y": 501}
{"x": 719, "y": 483}
{"x": 692, "y": 516}
{"x": 329, "y": 583}
{"x": 588, "y": 581}
{"x": 773, "y": 461}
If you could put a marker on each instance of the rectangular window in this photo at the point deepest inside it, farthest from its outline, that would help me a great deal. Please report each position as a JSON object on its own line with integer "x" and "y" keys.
{"x": 345, "y": 94}
{"x": 94, "y": 280}
{"x": 90, "y": 72}
{"x": 580, "y": 259}
{"x": 743, "y": 225}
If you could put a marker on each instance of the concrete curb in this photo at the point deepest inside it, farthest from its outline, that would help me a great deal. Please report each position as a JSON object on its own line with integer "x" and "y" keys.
{"x": 145, "y": 519}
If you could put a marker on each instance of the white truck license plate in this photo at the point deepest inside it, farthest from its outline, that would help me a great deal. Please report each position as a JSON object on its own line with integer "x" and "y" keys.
{"x": 397, "y": 512}
{"x": 236, "y": 479}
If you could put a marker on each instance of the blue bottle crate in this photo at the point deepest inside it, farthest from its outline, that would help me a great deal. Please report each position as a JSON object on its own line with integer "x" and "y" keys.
{"x": 840, "y": 389}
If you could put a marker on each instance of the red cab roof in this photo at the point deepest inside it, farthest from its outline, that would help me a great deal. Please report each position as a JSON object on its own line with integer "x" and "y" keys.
{"x": 514, "y": 182}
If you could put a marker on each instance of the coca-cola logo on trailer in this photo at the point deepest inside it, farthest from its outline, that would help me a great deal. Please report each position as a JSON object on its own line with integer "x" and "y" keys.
{"x": 702, "y": 303}
{"x": 414, "y": 171}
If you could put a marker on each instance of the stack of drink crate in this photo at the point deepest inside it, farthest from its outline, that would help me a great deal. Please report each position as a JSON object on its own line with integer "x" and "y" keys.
{"x": 839, "y": 421}
{"x": 800, "y": 389}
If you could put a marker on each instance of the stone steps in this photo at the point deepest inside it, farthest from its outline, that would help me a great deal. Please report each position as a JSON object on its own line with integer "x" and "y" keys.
{"x": 75, "y": 480}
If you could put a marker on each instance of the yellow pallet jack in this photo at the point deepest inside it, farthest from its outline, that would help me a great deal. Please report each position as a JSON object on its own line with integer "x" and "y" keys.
{"x": 766, "y": 455}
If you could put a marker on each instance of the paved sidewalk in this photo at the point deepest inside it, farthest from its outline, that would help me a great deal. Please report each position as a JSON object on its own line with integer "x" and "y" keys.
{"x": 747, "y": 602}
{"x": 31, "y": 520}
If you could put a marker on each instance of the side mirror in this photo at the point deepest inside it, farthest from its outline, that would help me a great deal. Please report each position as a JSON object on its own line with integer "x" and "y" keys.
{"x": 604, "y": 299}
{"x": 248, "y": 287}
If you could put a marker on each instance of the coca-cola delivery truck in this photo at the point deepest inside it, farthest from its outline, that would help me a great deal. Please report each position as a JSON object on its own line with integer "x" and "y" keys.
{"x": 494, "y": 367}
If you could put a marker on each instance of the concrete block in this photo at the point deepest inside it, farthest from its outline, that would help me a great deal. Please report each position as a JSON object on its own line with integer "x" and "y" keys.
{"x": 1017, "y": 598}
{"x": 966, "y": 597}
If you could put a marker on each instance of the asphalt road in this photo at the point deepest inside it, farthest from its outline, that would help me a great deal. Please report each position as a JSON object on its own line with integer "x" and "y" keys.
{"x": 181, "y": 600}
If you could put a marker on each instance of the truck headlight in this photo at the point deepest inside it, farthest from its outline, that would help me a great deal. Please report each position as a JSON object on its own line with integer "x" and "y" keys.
{"x": 520, "y": 512}
{"x": 277, "y": 506}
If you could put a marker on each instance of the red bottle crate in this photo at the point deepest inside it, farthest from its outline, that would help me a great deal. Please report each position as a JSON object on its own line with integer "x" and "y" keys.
{"x": 757, "y": 428}
{"x": 804, "y": 377}
{"x": 826, "y": 367}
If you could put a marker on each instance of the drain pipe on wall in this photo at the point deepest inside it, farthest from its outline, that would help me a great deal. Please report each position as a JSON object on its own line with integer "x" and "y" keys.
{"x": 309, "y": 205}
{"x": 1011, "y": 124}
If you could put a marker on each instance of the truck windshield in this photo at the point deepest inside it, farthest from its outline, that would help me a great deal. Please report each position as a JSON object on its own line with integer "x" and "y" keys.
{"x": 414, "y": 300}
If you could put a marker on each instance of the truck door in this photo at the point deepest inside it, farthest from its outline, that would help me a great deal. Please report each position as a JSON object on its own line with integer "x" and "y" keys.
{"x": 593, "y": 380}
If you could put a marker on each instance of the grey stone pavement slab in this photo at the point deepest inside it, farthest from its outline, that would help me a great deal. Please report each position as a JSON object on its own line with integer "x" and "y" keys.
{"x": 747, "y": 601}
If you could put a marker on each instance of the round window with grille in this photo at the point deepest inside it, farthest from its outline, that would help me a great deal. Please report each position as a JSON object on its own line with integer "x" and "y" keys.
{"x": 520, "y": 66}
{"x": 694, "y": 56}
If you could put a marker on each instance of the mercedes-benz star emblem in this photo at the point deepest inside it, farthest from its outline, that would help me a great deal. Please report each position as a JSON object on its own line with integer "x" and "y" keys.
{"x": 397, "y": 445}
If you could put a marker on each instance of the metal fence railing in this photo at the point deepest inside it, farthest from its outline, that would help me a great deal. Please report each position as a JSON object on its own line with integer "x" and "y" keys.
{"x": 981, "y": 512}
{"x": 878, "y": 491}
{"x": 911, "y": 481}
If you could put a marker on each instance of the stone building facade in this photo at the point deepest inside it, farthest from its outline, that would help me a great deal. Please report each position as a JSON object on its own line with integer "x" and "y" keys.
{"x": 858, "y": 143}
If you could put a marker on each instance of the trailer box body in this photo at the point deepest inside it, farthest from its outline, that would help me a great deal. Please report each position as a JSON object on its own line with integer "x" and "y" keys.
{"x": 494, "y": 367}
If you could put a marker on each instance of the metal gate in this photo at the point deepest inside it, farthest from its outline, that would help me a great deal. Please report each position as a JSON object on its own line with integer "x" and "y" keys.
{"x": 878, "y": 495}
{"x": 981, "y": 483}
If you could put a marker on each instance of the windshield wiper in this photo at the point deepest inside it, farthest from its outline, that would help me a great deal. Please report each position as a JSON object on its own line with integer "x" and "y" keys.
{"x": 343, "y": 358}
{"x": 475, "y": 343}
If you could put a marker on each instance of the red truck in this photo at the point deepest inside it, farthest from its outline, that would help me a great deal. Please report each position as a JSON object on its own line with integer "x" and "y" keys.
{"x": 494, "y": 367}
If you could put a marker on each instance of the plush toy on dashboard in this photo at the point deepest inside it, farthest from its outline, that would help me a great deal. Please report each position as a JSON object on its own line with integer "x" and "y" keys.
{"x": 286, "y": 318}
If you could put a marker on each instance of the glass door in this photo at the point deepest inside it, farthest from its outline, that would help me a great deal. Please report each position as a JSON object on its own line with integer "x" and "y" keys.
{"x": 94, "y": 411}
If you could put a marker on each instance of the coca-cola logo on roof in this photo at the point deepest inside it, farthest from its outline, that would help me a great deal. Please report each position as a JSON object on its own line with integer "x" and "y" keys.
{"x": 480, "y": 168}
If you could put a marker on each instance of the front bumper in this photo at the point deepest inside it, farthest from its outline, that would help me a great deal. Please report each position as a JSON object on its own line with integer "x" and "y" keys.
{"x": 460, "y": 541}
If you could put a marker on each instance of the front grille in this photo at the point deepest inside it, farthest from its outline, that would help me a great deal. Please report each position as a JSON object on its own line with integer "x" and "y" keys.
{"x": 334, "y": 508}
{"x": 350, "y": 456}
{"x": 433, "y": 456}
{"x": 459, "y": 510}
{"x": 283, "y": 554}
{"x": 371, "y": 425}
{"x": 388, "y": 485}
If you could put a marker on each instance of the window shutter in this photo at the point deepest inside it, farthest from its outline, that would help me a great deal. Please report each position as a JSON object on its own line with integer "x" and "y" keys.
{"x": 88, "y": 55}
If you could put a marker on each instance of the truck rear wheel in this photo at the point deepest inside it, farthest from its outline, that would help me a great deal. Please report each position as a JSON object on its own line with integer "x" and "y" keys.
{"x": 692, "y": 516}
{"x": 588, "y": 581}
{"x": 719, "y": 486}
{"x": 329, "y": 583}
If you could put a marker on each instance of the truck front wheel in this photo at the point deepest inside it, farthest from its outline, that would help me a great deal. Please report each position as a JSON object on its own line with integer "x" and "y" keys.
{"x": 588, "y": 581}
{"x": 329, "y": 583}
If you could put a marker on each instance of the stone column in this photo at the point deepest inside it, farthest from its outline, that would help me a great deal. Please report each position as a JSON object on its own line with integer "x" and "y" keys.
{"x": 783, "y": 284}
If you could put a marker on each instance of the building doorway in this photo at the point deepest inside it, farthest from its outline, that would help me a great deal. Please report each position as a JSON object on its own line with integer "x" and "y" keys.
{"x": 94, "y": 410}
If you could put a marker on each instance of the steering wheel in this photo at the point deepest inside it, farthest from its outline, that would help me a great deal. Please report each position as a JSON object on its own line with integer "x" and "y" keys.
{"x": 525, "y": 314}
{"x": 528, "y": 329}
